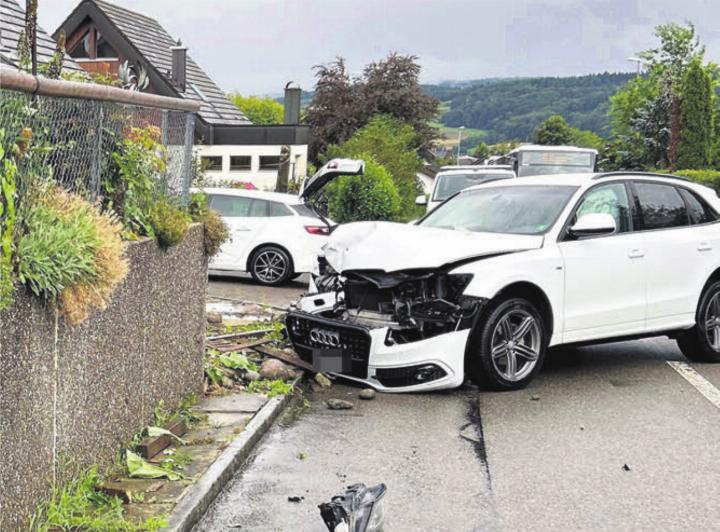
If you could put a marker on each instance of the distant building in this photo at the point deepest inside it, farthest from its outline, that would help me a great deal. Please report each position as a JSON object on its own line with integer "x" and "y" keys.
{"x": 12, "y": 23}
{"x": 101, "y": 36}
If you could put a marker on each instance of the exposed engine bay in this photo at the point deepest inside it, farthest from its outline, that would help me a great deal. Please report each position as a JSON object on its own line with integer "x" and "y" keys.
{"x": 414, "y": 305}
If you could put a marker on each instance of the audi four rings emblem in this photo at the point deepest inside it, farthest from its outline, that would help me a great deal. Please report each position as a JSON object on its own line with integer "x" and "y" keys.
{"x": 325, "y": 337}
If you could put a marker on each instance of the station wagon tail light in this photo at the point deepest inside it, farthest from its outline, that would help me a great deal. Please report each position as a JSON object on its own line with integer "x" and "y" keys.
{"x": 317, "y": 229}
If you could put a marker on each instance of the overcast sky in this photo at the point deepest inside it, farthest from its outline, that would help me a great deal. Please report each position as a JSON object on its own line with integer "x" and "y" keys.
{"x": 255, "y": 46}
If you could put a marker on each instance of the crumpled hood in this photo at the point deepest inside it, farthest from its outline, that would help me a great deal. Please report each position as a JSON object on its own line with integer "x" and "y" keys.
{"x": 393, "y": 247}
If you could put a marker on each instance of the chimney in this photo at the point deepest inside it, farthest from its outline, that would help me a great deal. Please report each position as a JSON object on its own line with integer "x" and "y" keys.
{"x": 292, "y": 104}
{"x": 179, "y": 65}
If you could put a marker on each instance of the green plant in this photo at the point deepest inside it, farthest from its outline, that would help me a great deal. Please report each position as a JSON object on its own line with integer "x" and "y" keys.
{"x": 709, "y": 178}
{"x": 55, "y": 251}
{"x": 80, "y": 505}
{"x": 258, "y": 109}
{"x": 237, "y": 361}
{"x": 169, "y": 222}
{"x": 8, "y": 192}
{"x": 133, "y": 188}
{"x": 215, "y": 230}
{"x": 270, "y": 388}
{"x": 372, "y": 196}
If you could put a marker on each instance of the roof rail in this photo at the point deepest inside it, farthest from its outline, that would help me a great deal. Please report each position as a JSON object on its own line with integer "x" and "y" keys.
{"x": 641, "y": 174}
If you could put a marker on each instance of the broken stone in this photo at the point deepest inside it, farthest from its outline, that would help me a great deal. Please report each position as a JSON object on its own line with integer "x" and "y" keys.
{"x": 214, "y": 318}
{"x": 273, "y": 369}
{"x": 339, "y": 404}
{"x": 626, "y": 467}
{"x": 323, "y": 381}
{"x": 252, "y": 376}
{"x": 534, "y": 397}
{"x": 295, "y": 498}
{"x": 368, "y": 394}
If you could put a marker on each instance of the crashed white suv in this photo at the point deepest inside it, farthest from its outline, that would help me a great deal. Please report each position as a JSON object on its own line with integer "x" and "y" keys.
{"x": 486, "y": 282}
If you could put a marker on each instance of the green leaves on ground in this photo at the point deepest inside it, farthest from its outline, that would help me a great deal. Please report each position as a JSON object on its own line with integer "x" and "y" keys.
{"x": 140, "y": 468}
{"x": 238, "y": 361}
{"x": 270, "y": 388}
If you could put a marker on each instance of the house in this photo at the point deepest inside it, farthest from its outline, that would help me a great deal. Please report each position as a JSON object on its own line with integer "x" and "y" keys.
{"x": 101, "y": 36}
{"x": 12, "y": 24}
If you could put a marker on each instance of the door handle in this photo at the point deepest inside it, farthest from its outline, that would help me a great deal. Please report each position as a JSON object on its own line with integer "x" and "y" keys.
{"x": 704, "y": 246}
{"x": 636, "y": 253}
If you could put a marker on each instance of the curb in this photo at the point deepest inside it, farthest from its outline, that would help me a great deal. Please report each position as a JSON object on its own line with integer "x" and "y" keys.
{"x": 199, "y": 496}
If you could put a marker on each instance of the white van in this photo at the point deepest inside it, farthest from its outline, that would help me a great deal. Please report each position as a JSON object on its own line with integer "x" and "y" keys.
{"x": 452, "y": 179}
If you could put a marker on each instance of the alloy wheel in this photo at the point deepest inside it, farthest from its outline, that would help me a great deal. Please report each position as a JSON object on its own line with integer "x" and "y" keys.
{"x": 270, "y": 266}
{"x": 515, "y": 345}
{"x": 712, "y": 322}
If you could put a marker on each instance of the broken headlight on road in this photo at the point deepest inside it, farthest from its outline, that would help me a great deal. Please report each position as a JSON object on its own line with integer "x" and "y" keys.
{"x": 359, "y": 509}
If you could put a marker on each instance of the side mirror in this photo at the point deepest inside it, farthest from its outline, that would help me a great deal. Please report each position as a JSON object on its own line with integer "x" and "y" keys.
{"x": 421, "y": 200}
{"x": 599, "y": 223}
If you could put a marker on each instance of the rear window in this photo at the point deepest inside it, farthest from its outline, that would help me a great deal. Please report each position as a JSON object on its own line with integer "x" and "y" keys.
{"x": 661, "y": 206}
{"x": 699, "y": 211}
{"x": 278, "y": 209}
{"x": 304, "y": 210}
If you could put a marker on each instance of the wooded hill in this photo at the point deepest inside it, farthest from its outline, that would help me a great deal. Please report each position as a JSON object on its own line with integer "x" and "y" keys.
{"x": 512, "y": 108}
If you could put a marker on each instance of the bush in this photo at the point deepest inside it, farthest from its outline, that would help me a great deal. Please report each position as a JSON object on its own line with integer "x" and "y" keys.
{"x": 709, "y": 178}
{"x": 8, "y": 192}
{"x": 216, "y": 232}
{"x": 372, "y": 196}
{"x": 72, "y": 253}
{"x": 169, "y": 222}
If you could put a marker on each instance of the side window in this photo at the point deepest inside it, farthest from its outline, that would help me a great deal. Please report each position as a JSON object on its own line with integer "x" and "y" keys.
{"x": 661, "y": 206}
{"x": 258, "y": 209}
{"x": 699, "y": 211}
{"x": 609, "y": 199}
{"x": 278, "y": 209}
{"x": 231, "y": 206}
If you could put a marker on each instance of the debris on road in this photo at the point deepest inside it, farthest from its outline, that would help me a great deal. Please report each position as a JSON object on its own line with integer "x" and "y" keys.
{"x": 273, "y": 369}
{"x": 323, "y": 381}
{"x": 626, "y": 467}
{"x": 368, "y": 394}
{"x": 296, "y": 499}
{"x": 534, "y": 397}
{"x": 285, "y": 357}
{"x": 359, "y": 509}
{"x": 339, "y": 404}
{"x": 214, "y": 318}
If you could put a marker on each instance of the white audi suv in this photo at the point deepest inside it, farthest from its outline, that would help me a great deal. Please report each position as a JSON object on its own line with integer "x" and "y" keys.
{"x": 484, "y": 284}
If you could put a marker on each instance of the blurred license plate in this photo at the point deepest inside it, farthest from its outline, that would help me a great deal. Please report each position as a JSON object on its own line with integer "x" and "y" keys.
{"x": 331, "y": 361}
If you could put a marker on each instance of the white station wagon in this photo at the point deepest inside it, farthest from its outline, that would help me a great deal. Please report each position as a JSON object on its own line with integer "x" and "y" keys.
{"x": 486, "y": 282}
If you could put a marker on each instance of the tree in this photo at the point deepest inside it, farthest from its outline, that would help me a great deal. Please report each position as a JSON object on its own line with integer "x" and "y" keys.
{"x": 554, "y": 131}
{"x": 259, "y": 110}
{"x": 372, "y": 196}
{"x": 343, "y": 104}
{"x": 696, "y": 119}
{"x": 391, "y": 143}
{"x": 482, "y": 151}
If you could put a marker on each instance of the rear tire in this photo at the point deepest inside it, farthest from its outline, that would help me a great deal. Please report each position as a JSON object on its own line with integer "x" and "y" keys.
{"x": 271, "y": 266}
{"x": 508, "y": 347}
{"x": 702, "y": 342}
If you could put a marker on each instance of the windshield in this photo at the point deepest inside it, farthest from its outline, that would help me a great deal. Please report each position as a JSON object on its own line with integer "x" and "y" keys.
{"x": 449, "y": 184}
{"x": 527, "y": 209}
{"x": 555, "y": 162}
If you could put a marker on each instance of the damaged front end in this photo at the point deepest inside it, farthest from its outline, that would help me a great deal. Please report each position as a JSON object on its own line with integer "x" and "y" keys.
{"x": 392, "y": 329}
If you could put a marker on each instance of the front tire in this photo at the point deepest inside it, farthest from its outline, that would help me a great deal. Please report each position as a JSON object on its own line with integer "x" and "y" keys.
{"x": 271, "y": 266}
{"x": 508, "y": 347}
{"x": 702, "y": 342}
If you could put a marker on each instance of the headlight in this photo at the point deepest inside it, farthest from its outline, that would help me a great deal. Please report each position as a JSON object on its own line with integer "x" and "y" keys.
{"x": 359, "y": 509}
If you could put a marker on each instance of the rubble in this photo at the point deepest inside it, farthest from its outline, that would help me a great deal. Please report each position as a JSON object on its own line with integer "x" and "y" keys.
{"x": 339, "y": 404}
{"x": 368, "y": 394}
{"x": 273, "y": 369}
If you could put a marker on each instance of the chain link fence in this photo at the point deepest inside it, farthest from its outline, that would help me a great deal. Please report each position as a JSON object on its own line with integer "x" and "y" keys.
{"x": 73, "y": 138}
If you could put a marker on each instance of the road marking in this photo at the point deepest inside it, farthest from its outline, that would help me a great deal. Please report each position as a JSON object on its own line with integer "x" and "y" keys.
{"x": 700, "y": 383}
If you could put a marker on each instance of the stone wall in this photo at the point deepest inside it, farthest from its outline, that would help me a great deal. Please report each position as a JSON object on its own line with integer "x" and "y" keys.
{"x": 72, "y": 396}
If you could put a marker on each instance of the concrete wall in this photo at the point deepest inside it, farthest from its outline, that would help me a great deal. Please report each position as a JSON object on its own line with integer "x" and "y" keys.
{"x": 262, "y": 179}
{"x": 71, "y": 397}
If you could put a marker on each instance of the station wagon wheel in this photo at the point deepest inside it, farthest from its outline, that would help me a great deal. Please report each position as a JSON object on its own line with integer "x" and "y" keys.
{"x": 702, "y": 342}
{"x": 515, "y": 345}
{"x": 271, "y": 265}
{"x": 507, "y": 346}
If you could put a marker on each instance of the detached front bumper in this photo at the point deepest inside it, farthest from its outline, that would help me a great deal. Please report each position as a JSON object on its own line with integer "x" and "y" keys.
{"x": 362, "y": 354}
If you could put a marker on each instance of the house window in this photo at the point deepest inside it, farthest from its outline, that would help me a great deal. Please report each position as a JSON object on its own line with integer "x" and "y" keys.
{"x": 240, "y": 162}
{"x": 82, "y": 49}
{"x": 269, "y": 162}
{"x": 213, "y": 163}
{"x": 103, "y": 48}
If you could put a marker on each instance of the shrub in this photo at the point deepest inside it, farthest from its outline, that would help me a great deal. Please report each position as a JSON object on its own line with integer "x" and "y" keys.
{"x": 372, "y": 196}
{"x": 169, "y": 222}
{"x": 71, "y": 252}
{"x": 8, "y": 192}
{"x": 709, "y": 178}
{"x": 216, "y": 232}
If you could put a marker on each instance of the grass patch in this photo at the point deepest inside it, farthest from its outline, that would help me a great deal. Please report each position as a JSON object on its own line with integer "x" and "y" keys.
{"x": 80, "y": 505}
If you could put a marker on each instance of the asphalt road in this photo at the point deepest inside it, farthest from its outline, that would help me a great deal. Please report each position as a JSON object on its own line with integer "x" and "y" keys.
{"x": 606, "y": 438}
{"x": 243, "y": 288}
